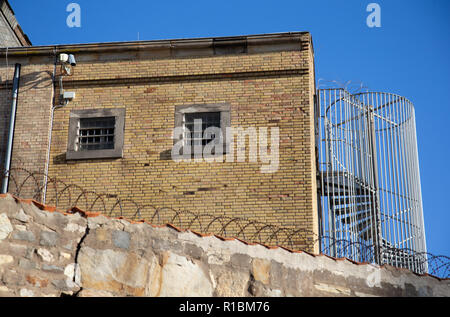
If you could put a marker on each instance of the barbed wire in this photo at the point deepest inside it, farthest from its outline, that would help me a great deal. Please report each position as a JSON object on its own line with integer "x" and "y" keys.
{"x": 64, "y": 196}
{"x": 353, "y": 87}
{"x": 419, "y": 262}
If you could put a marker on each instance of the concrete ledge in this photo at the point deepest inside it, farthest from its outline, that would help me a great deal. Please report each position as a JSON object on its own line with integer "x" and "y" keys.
{"x": 180, "y": 47}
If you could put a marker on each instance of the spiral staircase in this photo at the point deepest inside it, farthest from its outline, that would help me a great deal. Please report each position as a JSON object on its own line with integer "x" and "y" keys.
{"x": 368, "y": 178}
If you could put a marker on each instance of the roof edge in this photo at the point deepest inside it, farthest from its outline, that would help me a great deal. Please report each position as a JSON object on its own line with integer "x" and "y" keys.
{"x": 271, "y": 41}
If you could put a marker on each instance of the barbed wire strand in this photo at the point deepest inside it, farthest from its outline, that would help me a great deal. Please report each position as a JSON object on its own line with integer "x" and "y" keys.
{"x": 70, "y": 196}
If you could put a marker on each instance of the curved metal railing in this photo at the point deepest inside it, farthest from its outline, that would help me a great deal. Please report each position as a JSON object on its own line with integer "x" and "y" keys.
{"x": 369, "y": 180}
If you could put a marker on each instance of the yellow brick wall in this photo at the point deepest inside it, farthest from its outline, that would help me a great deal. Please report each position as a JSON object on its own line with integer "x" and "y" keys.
{"x": 32, "y": 120}
{"x": 282, "y": 97}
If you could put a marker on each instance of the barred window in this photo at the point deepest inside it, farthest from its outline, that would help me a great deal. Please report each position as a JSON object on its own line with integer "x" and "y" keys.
{"x": 195, "y": 125}
{"x": 96, "y": 133}
{"x": 210, "y": 115}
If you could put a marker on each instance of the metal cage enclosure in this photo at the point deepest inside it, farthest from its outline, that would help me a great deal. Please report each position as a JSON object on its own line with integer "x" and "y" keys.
{"x": 370, "y": 206}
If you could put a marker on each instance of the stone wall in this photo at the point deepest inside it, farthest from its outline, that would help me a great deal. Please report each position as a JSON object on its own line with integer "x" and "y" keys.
{"x": 44, "y": 252}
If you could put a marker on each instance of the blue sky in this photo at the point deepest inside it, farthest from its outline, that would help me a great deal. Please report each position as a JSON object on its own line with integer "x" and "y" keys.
{"x": 407, "y": 55}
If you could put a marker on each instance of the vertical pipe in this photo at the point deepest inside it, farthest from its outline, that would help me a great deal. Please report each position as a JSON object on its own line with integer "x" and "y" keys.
{"x": 419, "y": 194}
{"x": 397, "y": 189}
{"x": 392, "y": 197}
{"x": 409, "y": 184}
{"x": 346, "y": 127}
{"x": 387, "y": 212}
{"x": 368, "y": 172}
{"x": 400, "y": 207}
{"x": 418, "y": 213}
{"x": 12, "y": 121}
{"x": 321, "y": 199}
{"x": 375, "y": 225}
{"x": 333, "y": 169}
{"x": 382, "y": 186}
{"x": 330, "y": 188}
{"x": 412, "y": 181}
{"x": 406, "y": 193}
{"x": 340, "y": 162}
{"x": 352, "y": 218}
{"x": 47, "y": 161}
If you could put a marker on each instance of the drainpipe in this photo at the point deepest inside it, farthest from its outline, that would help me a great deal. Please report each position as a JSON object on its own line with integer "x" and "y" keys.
{"x": 12, "y": 121}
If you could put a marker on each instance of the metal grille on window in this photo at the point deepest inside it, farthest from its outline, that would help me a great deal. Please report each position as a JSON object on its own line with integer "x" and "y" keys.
{"x": 96, "y": 133}
{"x": 195, "y": 125}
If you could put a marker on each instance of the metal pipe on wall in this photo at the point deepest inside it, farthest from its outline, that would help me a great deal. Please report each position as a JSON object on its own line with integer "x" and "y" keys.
{"x": 47, "y": 159}
{"x": 12, "y": 121}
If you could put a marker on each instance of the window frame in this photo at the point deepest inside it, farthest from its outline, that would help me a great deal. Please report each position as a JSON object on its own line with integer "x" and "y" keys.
{"x": 225, "y": 118}
{"x": 74, "y": 123}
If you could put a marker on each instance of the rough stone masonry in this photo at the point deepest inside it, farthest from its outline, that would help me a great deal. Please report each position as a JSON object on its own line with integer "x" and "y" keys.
{"x": 44, "y": 252}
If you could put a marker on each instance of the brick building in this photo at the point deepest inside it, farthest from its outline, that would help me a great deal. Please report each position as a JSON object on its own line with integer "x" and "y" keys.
{"x": 147, "y": 89}
{"x": 266, "y": 157}
{"x": 11, "y": 33}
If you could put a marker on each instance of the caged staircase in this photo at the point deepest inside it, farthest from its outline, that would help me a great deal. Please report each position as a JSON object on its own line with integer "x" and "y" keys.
{"x": 370, "y": 206}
